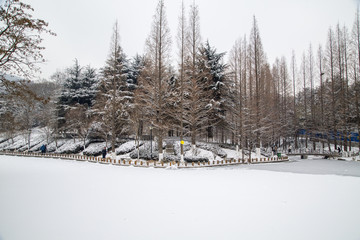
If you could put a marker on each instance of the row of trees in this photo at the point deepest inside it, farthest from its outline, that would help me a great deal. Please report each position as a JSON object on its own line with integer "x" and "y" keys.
{"x": 246, "y": 101}
{"x": 146, "y": 92}
{"x": 319, "y": 99}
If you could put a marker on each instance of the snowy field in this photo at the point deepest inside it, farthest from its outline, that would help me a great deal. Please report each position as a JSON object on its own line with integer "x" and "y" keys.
{"x": 42, "y": 199}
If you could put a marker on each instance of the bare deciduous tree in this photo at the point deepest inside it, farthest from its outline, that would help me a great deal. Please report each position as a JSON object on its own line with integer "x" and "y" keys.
{"x": 155, "y": 92}
{"x": 20, "y": 43}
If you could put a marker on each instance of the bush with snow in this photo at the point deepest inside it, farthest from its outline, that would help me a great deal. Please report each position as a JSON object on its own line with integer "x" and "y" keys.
{"x": 71, "y": 146}
{"x": 177, "y": 147}
{"x": 213, "y": 148}
{"x": 144, "y": 154}
{"x": 36, "y": 147}
{"x": 35, "y": 144}
{"x": 94, "y": 149}
{"x": 171, "y": 158}
{"x": 13, "y": 144}
{"x": 127, "y": 147}
{"x": 147, "y": 151}
{"x": 227, "y": 146}
{"x": 196, "y": 159}
{"x": 52, "y": 146}
{"x": 199, "y": 155}
{"x": 204, "y": 151}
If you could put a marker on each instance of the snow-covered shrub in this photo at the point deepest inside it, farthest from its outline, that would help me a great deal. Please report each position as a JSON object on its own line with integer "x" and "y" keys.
{"x": 37, "y": 146}
{"x": 146, "y": 151}
{"x": 171, "y": 158}
{"x": 52, "y": 146}
{"x": 198, "y": 154}
{"x": 14, "y": 144}
{"x": 144, "y": 154}
{"x": 196, "y": 159}
{"x": 34, "y": 144}
{"x": 127, "y": 147}
{"x": 213, "y": 148}
{"x": 227, "y": 146}
{"x": 5, "y": 144}
{"x": 3, "y": 139}
{"x": 94, "y": 149}
{"x": 70, "y": 146}
{"x": 177, "y": 147}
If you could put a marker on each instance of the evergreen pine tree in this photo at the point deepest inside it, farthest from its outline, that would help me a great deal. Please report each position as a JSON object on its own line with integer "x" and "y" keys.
{"x": 114, "y": 101}
{"x": 79, "y": 89}
{"x": 135, "y": 67}
{"x": 212, "y": 63}
{"x": 90, "y": 84}
{"x": 80, "y": 86}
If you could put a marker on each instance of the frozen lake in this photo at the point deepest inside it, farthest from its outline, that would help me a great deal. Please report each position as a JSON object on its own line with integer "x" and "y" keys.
{"x": 43, "y": 199}
{"x": 315, "y": 165}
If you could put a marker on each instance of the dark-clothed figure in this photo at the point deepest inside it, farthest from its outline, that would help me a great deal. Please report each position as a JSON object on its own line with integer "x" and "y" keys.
{"x": 104, "y": 153}
{"x": 43, "y": 149}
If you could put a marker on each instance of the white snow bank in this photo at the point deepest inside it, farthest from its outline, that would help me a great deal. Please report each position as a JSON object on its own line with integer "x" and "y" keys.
{"x": 54, "y": 199}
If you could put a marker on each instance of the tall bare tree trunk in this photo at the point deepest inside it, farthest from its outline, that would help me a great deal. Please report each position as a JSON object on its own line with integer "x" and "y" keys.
{"x": 333, "y": 99}
{"x": 293, "y": 68}
{"x": 321, "y": 73}
{"x": 158, "y": 48}
{"x": 182, "y": 47}
{"x": 305, "y": 101}
{"x": 356, "y": 41}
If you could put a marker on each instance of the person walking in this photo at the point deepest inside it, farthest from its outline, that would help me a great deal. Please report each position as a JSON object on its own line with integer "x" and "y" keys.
{"x": 339, "y": 150}
{"x": 104, "y": 152}
{"x": 43, "y": 149}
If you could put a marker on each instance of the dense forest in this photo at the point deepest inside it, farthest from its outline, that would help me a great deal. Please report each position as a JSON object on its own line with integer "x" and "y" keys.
{"x": 199, "y": 94}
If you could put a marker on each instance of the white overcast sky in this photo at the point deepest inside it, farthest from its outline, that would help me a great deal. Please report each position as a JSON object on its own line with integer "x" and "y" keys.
{"x": 84, "y": 27}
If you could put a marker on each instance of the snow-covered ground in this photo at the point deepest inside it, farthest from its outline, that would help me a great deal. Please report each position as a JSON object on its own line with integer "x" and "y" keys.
{"x": 209, "y": 151}
{"x": 316, "y": 165}
{"x": 43, "y": 199}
